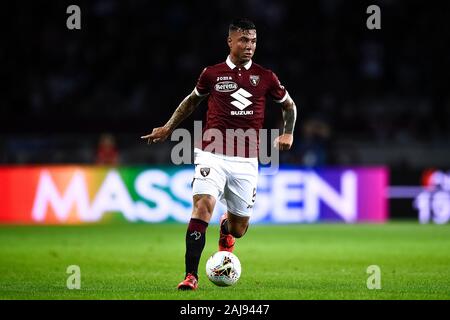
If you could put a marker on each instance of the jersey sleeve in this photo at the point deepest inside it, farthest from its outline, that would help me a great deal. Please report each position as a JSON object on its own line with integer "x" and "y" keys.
{"x": 203, "y": 86}
{"x": 276, "y": 90}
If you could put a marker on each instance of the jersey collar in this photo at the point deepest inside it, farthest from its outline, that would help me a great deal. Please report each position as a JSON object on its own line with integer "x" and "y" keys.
{"x": 232, "y": 65}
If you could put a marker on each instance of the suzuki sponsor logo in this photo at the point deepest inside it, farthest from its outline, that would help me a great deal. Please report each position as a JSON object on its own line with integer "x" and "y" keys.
{"x": 241, "y": 101}
{"x": 241, "y": 112}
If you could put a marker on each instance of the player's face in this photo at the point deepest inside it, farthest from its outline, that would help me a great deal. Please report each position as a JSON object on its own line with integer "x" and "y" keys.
{"x": 242, "y": 44}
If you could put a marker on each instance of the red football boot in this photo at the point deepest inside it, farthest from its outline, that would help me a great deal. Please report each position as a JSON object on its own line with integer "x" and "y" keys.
{"x": 226, "y": 241}
{"x": 189, "y": 283}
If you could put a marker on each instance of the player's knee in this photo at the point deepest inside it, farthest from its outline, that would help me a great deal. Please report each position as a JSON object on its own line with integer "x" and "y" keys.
{"x": 203, "y": 207}
{"x": 202, "y": 210}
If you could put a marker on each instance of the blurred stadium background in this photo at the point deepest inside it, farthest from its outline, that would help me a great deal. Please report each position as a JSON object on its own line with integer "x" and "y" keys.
{"x": 375, "y": 103}
{"x": 365, "y": 97}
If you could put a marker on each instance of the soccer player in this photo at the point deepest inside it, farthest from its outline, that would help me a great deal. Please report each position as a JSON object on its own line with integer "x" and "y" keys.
{"x": 236, "y": 90}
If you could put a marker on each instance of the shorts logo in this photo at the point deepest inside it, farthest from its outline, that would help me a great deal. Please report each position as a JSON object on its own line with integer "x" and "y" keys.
{"x": 204, "y": 171}
{"x": 254, "y": 80}
{"x": 254, "y": 195}
{"x": 226, "y": 86}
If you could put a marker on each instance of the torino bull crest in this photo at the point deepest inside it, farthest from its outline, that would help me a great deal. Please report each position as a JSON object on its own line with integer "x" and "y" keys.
{"x": 254, "y": 80}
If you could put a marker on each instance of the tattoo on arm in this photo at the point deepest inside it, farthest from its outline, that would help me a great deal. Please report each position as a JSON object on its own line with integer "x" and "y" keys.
{"x": 289, "y": 115}
{"x": 186, "y": 107}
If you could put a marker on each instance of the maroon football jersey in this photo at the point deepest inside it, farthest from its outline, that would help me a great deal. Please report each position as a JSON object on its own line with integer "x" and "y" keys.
{"x": 237, "y": 97}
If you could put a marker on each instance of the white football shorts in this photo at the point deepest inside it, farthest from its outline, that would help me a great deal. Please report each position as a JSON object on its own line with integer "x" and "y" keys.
{"x": 231, "y": 180}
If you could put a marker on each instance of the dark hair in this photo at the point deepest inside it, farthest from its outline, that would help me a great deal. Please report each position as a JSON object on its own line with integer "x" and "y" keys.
{"x": 241, "y": 24}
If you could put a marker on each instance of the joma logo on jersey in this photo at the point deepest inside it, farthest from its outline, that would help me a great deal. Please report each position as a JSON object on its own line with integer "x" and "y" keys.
{"x": 224, "y": 78}
{"x": 226, "y": 86}
{"x": 241, "y": 102}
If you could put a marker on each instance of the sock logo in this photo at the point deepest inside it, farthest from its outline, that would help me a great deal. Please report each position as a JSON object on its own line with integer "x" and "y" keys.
{"x": 196, "y": 234}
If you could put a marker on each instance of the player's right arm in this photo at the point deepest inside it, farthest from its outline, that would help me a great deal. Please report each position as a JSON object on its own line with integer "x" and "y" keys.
{"x": 185, "y": 108}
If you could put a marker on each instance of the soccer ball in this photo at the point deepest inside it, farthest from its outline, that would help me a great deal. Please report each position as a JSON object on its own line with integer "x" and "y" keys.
{"x": 223, "y": 268}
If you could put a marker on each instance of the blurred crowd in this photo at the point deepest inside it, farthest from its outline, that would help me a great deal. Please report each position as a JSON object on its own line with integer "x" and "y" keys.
{"x": 68, "y": 93}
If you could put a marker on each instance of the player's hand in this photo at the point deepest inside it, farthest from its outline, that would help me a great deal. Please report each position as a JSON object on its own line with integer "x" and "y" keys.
{"x": 283, "y": 142}
{"x": 158, "y": 135}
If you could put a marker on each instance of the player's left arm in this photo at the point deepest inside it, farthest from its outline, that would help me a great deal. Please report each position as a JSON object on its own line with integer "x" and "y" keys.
{"x": 285, "y": 141}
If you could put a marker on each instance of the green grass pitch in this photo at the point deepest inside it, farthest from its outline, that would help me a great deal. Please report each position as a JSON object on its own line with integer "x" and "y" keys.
{"x": 294, "y": 262}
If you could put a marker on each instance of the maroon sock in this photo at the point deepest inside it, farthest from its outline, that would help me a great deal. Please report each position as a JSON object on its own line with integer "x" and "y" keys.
{"x": 195, "y": 242}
